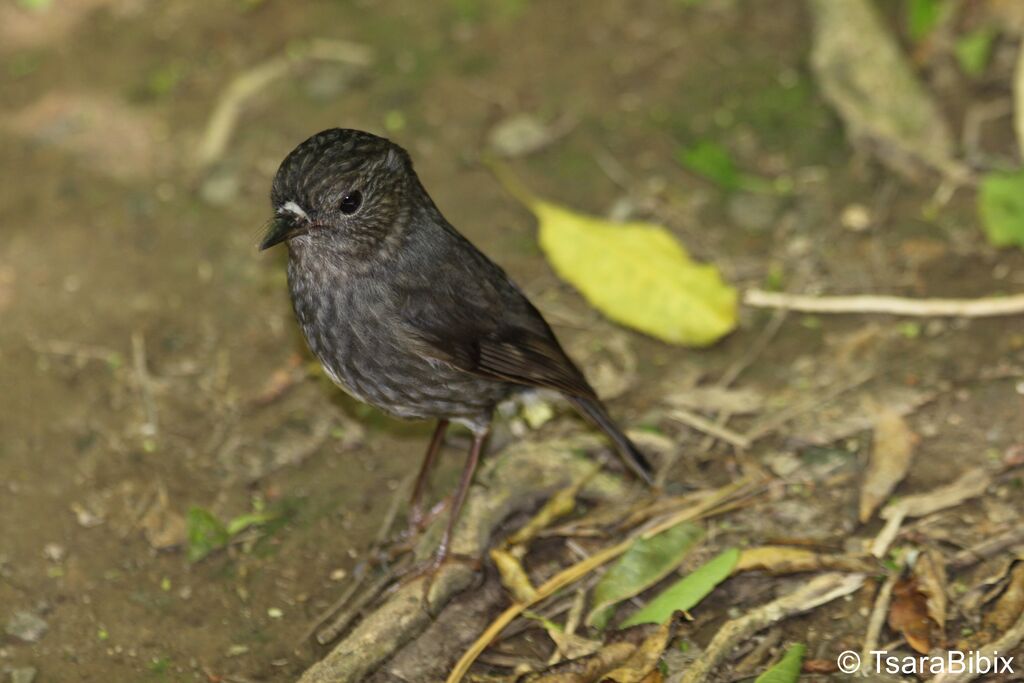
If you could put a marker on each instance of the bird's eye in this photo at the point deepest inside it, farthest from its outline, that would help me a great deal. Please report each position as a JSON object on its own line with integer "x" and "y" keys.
{"x": 351, "y": 202}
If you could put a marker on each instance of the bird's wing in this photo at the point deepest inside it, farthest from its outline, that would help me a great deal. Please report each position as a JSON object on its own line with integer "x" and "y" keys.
{"x": 491, "y": 331}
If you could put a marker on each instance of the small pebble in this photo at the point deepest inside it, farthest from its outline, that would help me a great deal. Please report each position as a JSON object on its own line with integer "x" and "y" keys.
{"x": 237, "y": 650}
{"x": 856, "y": 217}
{"x": 54, "y": 552}
{"x": 275, "y": 613}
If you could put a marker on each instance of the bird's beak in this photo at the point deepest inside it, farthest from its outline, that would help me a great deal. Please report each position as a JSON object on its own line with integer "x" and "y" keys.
{"x": 281, "y": 229}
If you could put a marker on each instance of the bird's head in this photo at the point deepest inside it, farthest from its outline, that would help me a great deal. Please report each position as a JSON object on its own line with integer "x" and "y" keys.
{"x": 343, "y": 190}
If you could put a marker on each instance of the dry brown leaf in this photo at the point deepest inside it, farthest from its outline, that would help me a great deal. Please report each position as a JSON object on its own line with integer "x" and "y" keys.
{"x": 908, "y": 614}
{"x": 1010, "y": 606}
{"x": 643, "y": 660}
{"x": 788, "y": 560}
{"x": 820, "y": 666}
{"x": 930, "y": 574}
{"x": 891, "y": 455}
{"x": 513, "y": 576}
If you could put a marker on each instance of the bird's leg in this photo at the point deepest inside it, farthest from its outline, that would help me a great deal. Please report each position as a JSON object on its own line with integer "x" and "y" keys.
{"x": 429, "y": 569}
{"x": 416, "y": 516}
{"x": 460, "y": 497}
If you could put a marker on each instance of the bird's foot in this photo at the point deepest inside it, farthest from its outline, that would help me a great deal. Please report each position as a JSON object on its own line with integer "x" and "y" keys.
{"x": 405, "y": 541}
{"x": 429, "y": 569}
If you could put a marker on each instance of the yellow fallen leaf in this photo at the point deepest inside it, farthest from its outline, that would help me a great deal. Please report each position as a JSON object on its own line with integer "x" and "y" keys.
{"x": 513, "y": 576}
{"x": 635, "y": 273}
{"x": 638, "y": 275}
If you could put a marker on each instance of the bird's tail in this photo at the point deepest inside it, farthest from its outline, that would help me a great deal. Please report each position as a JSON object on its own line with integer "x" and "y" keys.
{"x": 632, "y": 456}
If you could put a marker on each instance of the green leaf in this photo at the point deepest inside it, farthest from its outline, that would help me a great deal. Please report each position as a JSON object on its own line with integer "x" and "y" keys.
{"x": 206, "y": 533}
{"x": 787, "y": 670}
{"x": 243, "y": 522}
{"x": 973, "y": 50}
{"x": 922, "y": 17}
{"x": 647, "y": 562}
{"x": 1001, "y": 205}
{"x": 688, "y": 591}
{"x": 711, "y": 161}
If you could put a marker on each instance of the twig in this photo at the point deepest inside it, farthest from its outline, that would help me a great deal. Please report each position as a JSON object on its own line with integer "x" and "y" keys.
{"x": 892, "y": 305}
{"x": 254, "y": 80}
{"x": 889, "y": 532}
{"x": 816, "y": 592}
{"x": 877, "y": 618}
{"x": 149, "y": 427}
{"x": 706, "y": 426}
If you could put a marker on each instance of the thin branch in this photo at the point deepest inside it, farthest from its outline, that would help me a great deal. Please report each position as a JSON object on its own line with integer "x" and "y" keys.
{"x": 702, "y": 424}
{"x": 878, "y": 614}
{"x": 891, "y": 305}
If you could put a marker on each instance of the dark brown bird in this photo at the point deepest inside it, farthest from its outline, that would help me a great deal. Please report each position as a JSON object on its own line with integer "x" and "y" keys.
{"x": 404, "y": 312}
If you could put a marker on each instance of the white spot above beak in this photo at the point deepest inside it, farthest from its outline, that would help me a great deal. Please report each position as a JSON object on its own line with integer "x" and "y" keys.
{"x": 292, "y": 207}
